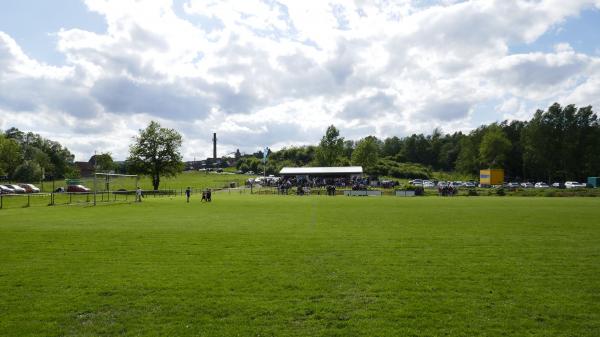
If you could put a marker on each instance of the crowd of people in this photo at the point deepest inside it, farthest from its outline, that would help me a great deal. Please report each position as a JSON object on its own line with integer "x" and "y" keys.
{"x": 447, "y": 190}
{"x": 303, "y": 185}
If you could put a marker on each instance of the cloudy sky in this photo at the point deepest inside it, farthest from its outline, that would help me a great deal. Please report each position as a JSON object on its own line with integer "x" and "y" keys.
{"x": 273, "y": 73}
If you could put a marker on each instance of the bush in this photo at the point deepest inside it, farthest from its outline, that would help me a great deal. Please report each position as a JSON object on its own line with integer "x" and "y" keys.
{"x": 472, "y": 193}
{"x": 500, "y": 192}
{"x": 387, "y": 167}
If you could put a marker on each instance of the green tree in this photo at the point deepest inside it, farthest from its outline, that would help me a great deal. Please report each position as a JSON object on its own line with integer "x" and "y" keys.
{"x": 29, "y": 171}
{"x": 366, "y": 153}
{"x": 104, "y": 162}
{"x": 391, "y": 146}
{"x": 10, "y": 155}
{"x": 155, "y": 152}
{"x": 494, "y": 148}
{"x": 330, "y": 148}
{"x": 467, "y": 157}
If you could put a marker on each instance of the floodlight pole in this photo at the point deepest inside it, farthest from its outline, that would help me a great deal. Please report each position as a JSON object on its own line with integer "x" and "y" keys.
{"x": 95, "y": 188}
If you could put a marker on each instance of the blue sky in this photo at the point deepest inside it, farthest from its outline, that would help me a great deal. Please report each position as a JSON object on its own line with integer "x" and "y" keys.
{"x": 278, "y": 72}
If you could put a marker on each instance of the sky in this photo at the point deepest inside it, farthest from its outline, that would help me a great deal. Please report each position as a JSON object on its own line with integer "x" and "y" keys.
{"x": 92, "y": 73}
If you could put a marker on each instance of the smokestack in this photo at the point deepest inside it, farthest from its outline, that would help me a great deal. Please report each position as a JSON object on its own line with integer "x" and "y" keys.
{"x": 214, "y": 146}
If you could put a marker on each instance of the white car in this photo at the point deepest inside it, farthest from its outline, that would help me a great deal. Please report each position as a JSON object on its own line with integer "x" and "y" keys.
{"x": 541, "y": 185}
{"x": 18, "y": 189}
{"x": 574, "y": 184}
{"x": 527, "y": 185}
{"x": 455, "y": 184}
{"x": 6, "y": 190}
{"x": 416, "y": 182}
{"x": 30, "y": 188}
{"x": 428, "y": 184}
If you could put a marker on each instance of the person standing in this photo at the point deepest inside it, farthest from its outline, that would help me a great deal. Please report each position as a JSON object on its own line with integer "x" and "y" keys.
{"x": 188, "y": 192}
{"x": 138, "y": 194}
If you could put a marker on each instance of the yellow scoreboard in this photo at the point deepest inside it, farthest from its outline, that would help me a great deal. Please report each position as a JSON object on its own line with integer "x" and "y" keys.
{"x": 491, "y": 177}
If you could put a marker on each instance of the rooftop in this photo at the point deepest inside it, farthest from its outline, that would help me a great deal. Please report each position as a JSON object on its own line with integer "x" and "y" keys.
{"x": 321, "y": 170}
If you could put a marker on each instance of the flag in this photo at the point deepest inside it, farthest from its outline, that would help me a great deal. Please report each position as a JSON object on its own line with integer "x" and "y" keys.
{"x": 265, "y": 154}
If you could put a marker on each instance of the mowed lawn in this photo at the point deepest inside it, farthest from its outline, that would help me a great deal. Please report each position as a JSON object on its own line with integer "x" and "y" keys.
{"x": 303, "y": 266}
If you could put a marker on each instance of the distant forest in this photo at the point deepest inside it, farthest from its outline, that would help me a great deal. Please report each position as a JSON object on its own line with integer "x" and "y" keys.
{"x": 561, "y": 143}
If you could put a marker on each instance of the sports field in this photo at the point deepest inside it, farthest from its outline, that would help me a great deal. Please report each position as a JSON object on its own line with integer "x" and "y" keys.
{"x": 303, "y": 266}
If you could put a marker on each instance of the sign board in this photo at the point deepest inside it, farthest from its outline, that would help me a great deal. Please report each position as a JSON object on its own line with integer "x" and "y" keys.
{"x": 491, "y": 177}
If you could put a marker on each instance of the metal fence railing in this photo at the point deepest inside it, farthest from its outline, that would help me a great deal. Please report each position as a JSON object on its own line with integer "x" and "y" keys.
{"x": 75, "y": 198}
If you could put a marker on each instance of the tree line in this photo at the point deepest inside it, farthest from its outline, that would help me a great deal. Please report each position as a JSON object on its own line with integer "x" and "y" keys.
{"x": 31, "y": 157}
{"x": 560, "y": 143}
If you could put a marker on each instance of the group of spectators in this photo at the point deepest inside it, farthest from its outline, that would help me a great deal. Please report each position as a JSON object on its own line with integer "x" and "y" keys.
{"x": 447, "y": 190}
{"x": 303, "y": 185}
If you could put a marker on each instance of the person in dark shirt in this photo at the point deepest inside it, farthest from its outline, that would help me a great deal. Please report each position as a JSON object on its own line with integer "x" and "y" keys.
{"x": 188, "y": 192}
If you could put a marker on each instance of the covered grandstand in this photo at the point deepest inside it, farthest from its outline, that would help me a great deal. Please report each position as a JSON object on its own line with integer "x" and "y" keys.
{"x": 348, "y": 172}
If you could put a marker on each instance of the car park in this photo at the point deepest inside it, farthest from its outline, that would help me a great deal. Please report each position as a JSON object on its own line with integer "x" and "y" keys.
{"x": 574, "y": 184}
{"x": 541, "y": 185}
{"x": 17, "y": 189}
{"x": 77, "y": 189}
{"x": 6, "y": 190}
{"x": 30, "y": 188}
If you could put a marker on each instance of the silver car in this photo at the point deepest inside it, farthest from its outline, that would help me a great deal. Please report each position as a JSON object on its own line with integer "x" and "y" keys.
{"x": 17, "y": 189}
{"x": 6, "y": 190}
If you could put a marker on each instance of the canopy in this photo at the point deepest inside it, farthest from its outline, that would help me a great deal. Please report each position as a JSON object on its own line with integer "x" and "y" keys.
{"x": 321, "y": 171}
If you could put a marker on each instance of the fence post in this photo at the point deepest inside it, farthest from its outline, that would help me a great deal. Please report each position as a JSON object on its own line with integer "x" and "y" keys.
{"x": 28, "y": 200}
{"x": 1, "y": 201}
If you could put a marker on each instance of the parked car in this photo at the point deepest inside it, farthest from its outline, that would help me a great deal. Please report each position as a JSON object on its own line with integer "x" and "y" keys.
{"x": 470, "y": 184}
{"x": 416, "y": 182}
{"x": 17, "y": 189}
{"x": 6, "y": 190}
{"x": 558, "y": 185}
{"x": 442, "y": 184}
{"x": 29, "y": 188}
{"x": 527, "y": 185}
{"x": 428, "y": 184}
{"x": 455, "y": 184}
{"x": 574, "y": 184}
{"x": 541, "y": 185}
{"x": 512, "y": 185}
{"x": 77, "y": 188}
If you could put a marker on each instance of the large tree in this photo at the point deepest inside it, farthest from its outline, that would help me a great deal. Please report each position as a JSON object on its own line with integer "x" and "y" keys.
{"x": 494, "y": 148}
{"x": 366, "y": 153}
{"x": 104, "y": 162}
{"x": 10, "y": 156}
{"x": 155, "y": 153}
{"x": 330, "y": 148}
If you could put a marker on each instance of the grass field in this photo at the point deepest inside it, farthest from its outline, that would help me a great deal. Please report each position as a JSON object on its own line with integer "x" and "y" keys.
{"x": 183, "y": 180}
{"x": 303, "y": 266}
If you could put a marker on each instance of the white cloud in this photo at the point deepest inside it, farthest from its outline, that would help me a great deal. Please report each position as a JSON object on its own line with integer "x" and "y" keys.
{"x": 279, "y": 72}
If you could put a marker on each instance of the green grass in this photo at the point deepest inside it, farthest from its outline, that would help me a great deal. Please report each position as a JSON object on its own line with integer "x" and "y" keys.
{"x": 181, "y": 181}
{"x": 303, "y": 266}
